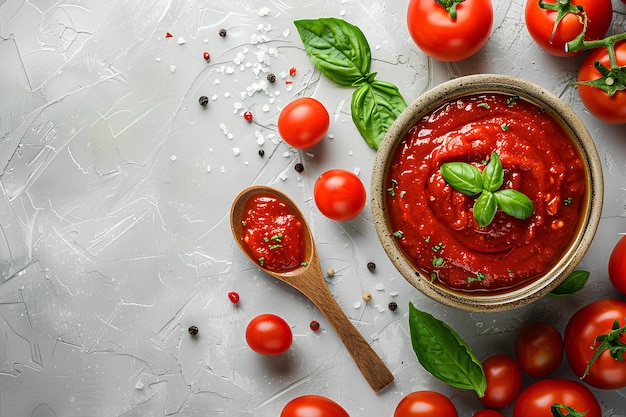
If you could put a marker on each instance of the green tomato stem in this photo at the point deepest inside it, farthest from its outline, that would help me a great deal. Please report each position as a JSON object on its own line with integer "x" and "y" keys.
{"x": 450, "y": 6}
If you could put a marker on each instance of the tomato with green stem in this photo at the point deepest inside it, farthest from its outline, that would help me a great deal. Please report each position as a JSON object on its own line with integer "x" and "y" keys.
{"x": 269, "y": 334}
{"x": 563, "y": 396}
{"x": 450, "y": 30}
{"x": 313, "y": 406}
{"x": 339, "y": 194}
{"x": 617, "y": 265}
{"x": 425, "y": 404}
{"x": 539, "y": 348}
{"x": 553, "y": 23}
{"x": 602, "y": 82}
{"x": 504, "y": 381}
{"x": 595, "y": 343}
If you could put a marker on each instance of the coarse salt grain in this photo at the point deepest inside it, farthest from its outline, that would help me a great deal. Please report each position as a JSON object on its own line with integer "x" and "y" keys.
{"x": 222, "y": 169}
{"x": 357, "y": 171}
{"x": 173, "y": 158}
{"x": 264, "y": 11}
{"x": 394, "y": 293}
{"x": 236, "y": 151}
{"x": 181, "y": 40}
{"x": 172, "y": 68}
{"x": 357, "y": 304}
{"x": 286, "y": 154}
{"x": 266, "y": 108}
{"x": 380, "y": 286}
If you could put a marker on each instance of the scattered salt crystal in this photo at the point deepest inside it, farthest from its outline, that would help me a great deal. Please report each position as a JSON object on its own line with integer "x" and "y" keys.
{"x": 351, "y": 153}
{"x": 283, "y": 176}
{"x": 229, "y": 136}
{"x": 357, "y": 304}
{"x": 286, "y": 154}
{"x": 217, "y": 81}
{"x": 286, "y": 33}
{"x": 227, "y": 94}
{"x": 223, "y": 127}
{"x": 157, "y": 59}
{"x": 380, "y": 286}
{"x": 222, "y": 169}
{"x": 181, "y": 40}
{"x": 246, "y": 162}
{"x": 379, "y": 307}
{"x": 331, "y": 136}
{"x": 205, "y": 41}
{"x": 393, "y": 293}
{"x": 266, "y": 108}
{"x": 172, "y": 68}
{"x": 342, "y": 13}
{"x": 264, "y": 11}
{"x": 357, "y": 171}
{"x": 139, "y": 385}
{"x": 236, "y": 151}
{"x": 173, "y": 158}
{"x": 229, "y": 70}
{"x": 208, "y": 168}
{"x": 214, "y": 97}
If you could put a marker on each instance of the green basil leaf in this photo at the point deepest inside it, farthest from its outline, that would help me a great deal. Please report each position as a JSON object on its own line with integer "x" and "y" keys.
{"x": 337, "y": 48}
{"x": 514, "y": 203}
{"x": 573, "y": 283}
{"x": 493, "y": 174}
{"x": 375, "y": 106}
{"x": 442, "y": 352}
{"x": 463, "y": 177}
{"x": 485, "y": 208}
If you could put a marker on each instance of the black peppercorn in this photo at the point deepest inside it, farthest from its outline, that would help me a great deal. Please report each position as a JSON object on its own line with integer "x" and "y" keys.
{"x": 222, "y": 32}
{"x": 393, "y": 306}
{"x": 261, "y": 153}
{"x": 193, "y": 330}
{"x": 371, "y": 266}
{"x": 271, "y": 77}
{"x": 298, "y": 167}
{"x": 203, "y": 100}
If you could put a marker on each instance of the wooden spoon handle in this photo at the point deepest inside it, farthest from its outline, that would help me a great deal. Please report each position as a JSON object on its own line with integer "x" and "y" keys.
{"x": 371, "y": 365}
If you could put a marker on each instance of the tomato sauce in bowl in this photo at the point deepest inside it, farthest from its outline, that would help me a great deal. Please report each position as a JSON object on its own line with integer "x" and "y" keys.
{"x": 434, "y": 224}
{"x": 437, "y": 238}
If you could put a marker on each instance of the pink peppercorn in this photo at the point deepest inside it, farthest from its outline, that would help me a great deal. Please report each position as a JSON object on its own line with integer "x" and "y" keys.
{"x": 234, "y": 297}
{"x": 248, "y": 115}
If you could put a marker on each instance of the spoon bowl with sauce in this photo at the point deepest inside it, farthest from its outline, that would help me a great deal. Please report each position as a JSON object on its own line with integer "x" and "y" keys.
{"x": 271, "y": 230}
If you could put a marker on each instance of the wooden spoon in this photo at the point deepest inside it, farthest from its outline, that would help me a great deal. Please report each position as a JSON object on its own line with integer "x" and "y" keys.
{"x": 309, "y": 280}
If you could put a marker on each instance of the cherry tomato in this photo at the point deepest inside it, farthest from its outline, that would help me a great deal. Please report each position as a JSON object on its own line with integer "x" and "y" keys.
{"x": 303, "y": 123}
{"x": 538, "y": 398}
{"x": 268, "y": 334}
{"x": 446, "y": 39}
{"x": 609, "y": 109}
{"x": 593, "y": 320}
{"x": 540, "y": 24}
{"x": 425, "y": 404}
{"x": 539, "y": 348}
{"x": 617, "y": 266}
{"x": 504, "y": 381}
{"x": 339, "y": 195}
{"x": 313, "y": 406}
{"x": 488, "y": 413}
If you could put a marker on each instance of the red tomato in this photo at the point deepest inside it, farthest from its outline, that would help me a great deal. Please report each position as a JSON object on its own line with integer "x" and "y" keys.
{"x": 313, "y": 406}
{"x": 268, "y": 334}
{"x": 540, "y": 24}
{"x": 538, "y": 398}
{"x": 303, "y": 123}
{"x": 584, "y": 326}
{"x": 609, "y": 109}
{"x": 617, "y": 266}
{"x": 445, "y": 39}
{"x": 504, "y": 381}
{"x": 539, "y": 348}
{"x": 339, "y": 195}
{"x": 488, "y": 413}
{"x": 425, "y": 404}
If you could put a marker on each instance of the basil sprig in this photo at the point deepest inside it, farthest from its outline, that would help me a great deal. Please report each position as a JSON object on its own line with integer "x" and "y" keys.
{"x": 469, "y": 180}
{"x": 442, "y": 352}
{"x": 340, "y": 51}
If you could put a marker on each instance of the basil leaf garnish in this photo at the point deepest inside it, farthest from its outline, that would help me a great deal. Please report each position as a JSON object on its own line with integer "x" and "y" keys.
{"x": 493, "y": 174}
{"x": 469, "y": 180}
{"x": 337, "y": 48}
{"x": 340, "y": 51}
{"x": 573, "y": 283}
{"x": 375, "y": 106}
{"x": 485, "y": 208}
{"x": 442, "y": 352}
{"x": 514, "y": 203}
{"x": 463, "y": 177}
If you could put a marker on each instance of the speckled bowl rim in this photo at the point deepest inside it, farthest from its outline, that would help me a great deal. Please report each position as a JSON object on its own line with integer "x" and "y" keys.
{"x": 432, "y": 99}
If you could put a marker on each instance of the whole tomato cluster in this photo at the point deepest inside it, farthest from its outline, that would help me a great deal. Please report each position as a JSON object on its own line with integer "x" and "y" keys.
{"x": 453, "y": 30}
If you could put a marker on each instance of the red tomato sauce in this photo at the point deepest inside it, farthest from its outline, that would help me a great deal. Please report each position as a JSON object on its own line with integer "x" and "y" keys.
{"x": 434, "y": 224}
{"x": 273, "y": 234}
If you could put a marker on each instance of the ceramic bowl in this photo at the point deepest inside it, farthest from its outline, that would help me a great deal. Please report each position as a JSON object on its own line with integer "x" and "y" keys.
{"x": 547, "y": 281}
